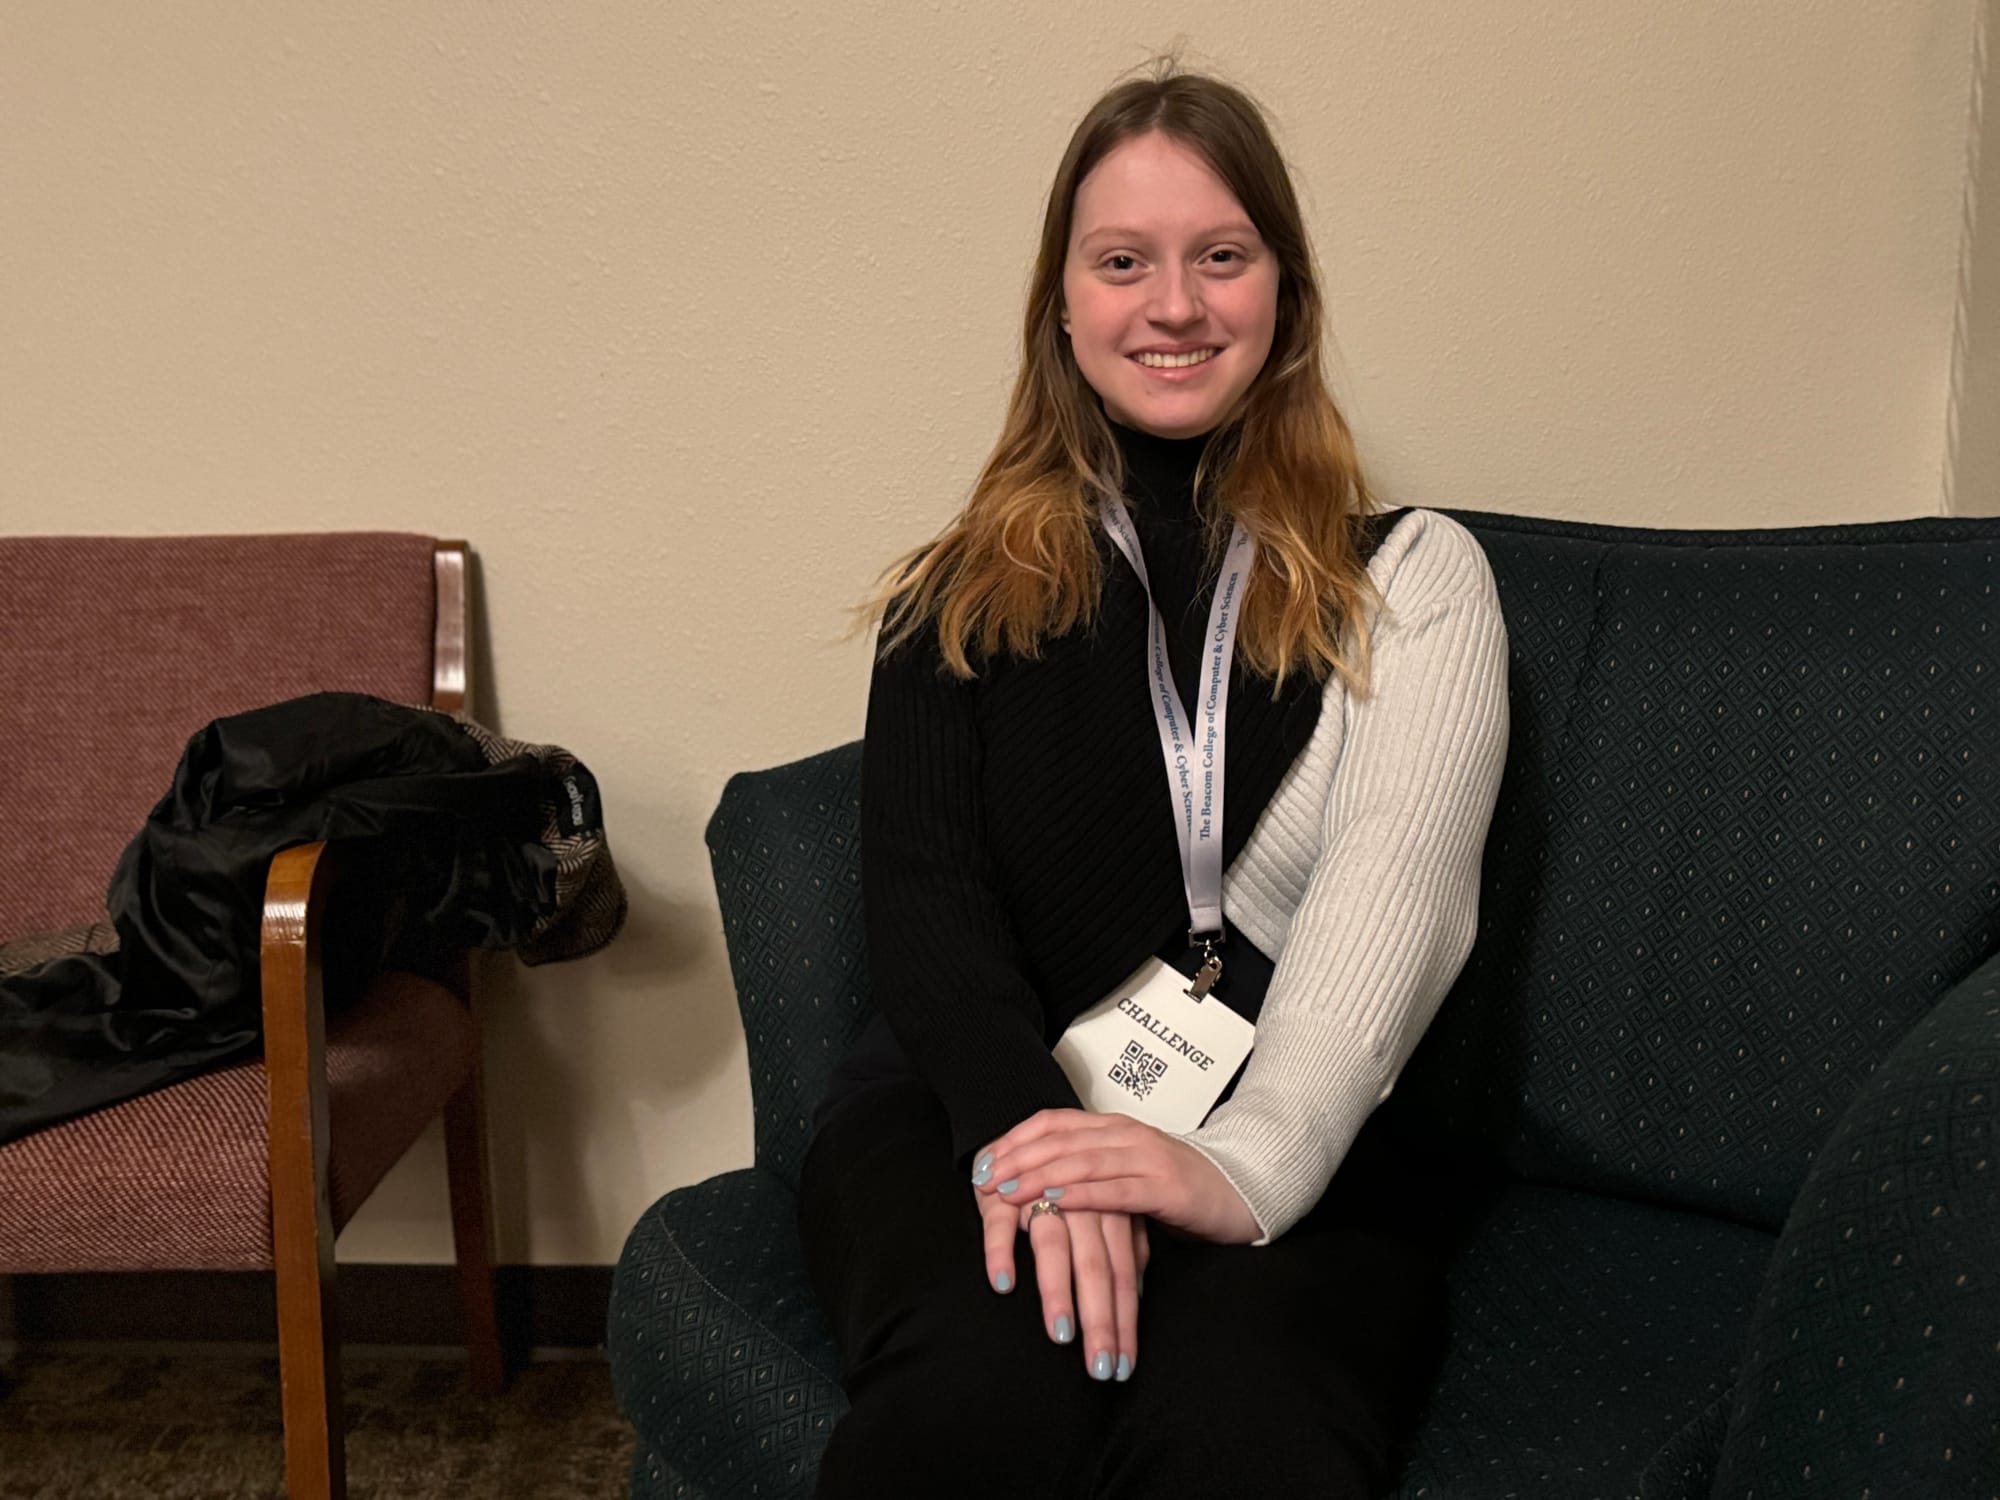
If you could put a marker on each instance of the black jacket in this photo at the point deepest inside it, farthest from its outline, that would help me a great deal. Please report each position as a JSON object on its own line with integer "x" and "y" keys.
{"x": 465, "y": 840}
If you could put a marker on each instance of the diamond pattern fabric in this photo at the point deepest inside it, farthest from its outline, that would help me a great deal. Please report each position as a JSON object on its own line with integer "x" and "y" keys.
{"x": 785, "y": 846}
{"x": 1746, "y": 837}
{"x": 1873, "y": 1361}
{"x": 1749, "y": 834}
{"x": 1684, "y": 1468}
{"x": 653, "y": 1478}
{"x": 716, "y": 1344}
{"x": 1584, "y": 1334}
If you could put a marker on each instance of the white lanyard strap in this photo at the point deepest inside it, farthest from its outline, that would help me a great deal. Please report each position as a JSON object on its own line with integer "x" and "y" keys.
{"x": 1194, "y": 768}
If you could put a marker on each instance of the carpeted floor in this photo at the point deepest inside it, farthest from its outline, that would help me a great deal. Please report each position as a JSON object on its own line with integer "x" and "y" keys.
{"x": 205, "y": 1427}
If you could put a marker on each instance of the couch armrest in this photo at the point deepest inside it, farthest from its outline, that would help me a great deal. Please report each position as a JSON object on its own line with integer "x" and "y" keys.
{"x": 785, "y": 846}
{"x": 717, "y": 1350}
{"x": 1871, "y": 1364}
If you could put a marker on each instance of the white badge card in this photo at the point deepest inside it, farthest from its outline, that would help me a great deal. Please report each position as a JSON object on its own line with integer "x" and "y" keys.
{"x": 1153, "y": 1051}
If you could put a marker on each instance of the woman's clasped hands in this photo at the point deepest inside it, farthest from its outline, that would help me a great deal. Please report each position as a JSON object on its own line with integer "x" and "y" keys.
{"x": 1107, "y": 1174}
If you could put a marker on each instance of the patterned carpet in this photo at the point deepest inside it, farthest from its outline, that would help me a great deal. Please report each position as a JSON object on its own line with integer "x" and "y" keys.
{"x": 205, "y": 1427}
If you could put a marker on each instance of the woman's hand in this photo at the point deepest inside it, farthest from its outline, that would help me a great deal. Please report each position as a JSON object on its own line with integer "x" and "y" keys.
{"x": 1115, "y": 1163}
{"x": 1088, "y": 1266}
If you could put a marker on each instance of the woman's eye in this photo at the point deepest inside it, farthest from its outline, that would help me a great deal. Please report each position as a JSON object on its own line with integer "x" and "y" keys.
{"x": 1119, "y": 262}
{"x": 1234, "y": 256}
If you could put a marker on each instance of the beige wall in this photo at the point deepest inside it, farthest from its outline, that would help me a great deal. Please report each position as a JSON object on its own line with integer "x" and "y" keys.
{"x": 1973, "y": 463}
{"x": 690, "y": 315}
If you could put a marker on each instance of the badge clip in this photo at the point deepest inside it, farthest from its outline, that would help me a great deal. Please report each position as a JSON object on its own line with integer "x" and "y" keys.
{"x": 1208, "y": 974}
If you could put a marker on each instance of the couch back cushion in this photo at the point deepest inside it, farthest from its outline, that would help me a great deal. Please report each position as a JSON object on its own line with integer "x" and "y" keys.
{"x": 114, "y": 650}
{"x": 1749, "y": 829}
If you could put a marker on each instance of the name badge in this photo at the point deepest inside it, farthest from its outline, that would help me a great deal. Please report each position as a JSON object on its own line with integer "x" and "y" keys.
{"x": 1153, "y": 1051}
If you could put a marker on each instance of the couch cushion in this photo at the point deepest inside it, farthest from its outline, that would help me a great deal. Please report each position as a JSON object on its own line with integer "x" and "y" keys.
{"x": 177, "y": 1179}
{"x": 119, "y": 648}
{"x": 717, "y": 1350}
{"x": 1585, "y": 1335}
{"x": 1746, "y": 836}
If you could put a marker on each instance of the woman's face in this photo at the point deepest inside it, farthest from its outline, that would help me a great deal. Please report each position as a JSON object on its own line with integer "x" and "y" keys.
{"x": 1170, "y": 297}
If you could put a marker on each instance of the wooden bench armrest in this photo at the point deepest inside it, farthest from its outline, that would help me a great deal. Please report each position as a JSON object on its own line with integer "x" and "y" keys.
{"x": 295, "y": 900}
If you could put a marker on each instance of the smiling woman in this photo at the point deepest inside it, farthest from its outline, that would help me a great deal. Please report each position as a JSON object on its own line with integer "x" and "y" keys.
{"x": 1138, "y": 269}
{"x": 1170, "y": 296}
{"x": 1180, "y": 749}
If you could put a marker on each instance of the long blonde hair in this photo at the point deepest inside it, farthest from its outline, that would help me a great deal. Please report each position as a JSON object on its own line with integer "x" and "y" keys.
{"x": 1020, "y": 563}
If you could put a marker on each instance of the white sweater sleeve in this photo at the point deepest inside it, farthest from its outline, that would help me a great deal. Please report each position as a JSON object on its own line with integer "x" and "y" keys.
{"x": 1390, "y": 905}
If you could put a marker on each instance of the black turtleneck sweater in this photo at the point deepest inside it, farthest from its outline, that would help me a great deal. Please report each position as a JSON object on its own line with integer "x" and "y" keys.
{"x": 1018, "y": 855}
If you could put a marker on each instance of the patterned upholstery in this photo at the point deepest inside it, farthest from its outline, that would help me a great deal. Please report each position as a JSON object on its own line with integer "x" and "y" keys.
{"x": 1745, "y": 841}
{"x": 1877, "y": 1335}
{"x": 116, "y": 650}
{"x": 119, "y": 648}
{"x": 1684, "y": 1468}
{"x": 1585, "y": 1332}
{"x": 716, "y": 1346}
{"x": 1745, "y": 838}
{"x": 653, "y": 1478}
{"x": 177, "y": 1179}
{"x": 786, "y": 851}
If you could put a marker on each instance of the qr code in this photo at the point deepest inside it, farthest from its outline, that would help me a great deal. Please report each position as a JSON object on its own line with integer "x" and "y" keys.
{"x": 1138, "y": 1070}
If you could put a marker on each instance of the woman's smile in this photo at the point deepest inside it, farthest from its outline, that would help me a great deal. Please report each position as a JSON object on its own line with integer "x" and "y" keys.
{"x": 1174, "y": 364}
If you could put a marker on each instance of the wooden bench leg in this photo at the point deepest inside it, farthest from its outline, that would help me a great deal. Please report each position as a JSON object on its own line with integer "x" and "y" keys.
{"x": 309, "y": 1373}
{"x": 301, "y": 1208}
{"x": 471, "y": 1229}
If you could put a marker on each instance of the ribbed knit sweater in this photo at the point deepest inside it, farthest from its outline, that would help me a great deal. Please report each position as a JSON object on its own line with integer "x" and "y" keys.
{"x": 1019, "y": 857}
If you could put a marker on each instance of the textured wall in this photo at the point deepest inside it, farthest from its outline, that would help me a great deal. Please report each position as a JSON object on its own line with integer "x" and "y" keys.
{"x": 691, "y": 315}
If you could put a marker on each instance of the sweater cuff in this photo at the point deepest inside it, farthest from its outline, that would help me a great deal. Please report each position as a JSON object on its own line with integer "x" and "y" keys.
{"x": 1282, "y": 1135}
{"x": 992, "y": 1089}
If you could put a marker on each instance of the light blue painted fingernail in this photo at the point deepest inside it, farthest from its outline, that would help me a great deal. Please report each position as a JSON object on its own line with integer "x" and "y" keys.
{"x": 1124, "y": 1368}
{"x": 983, "y": 1175}
{"x": 1052, "y": 1192}
{"x": 983, "y": 1163}
{"x": 1100, "y": 1367}
{"x": 1003, "y": 1282}
{"x": 1010, "y": 1184}
{"x": 1064, "y": 1333}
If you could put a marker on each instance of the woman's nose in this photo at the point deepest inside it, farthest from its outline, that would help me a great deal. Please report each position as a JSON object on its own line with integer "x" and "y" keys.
{"x": 1177, "y": 297}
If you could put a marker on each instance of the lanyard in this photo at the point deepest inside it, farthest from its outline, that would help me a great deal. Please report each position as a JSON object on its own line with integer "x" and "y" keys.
{"x": 1194, "y": 768}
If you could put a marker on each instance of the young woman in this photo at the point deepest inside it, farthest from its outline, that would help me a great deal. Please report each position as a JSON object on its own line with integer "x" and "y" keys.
{"x": 1172, "y": 714}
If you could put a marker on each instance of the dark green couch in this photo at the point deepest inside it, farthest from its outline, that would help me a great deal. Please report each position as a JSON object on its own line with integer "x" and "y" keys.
{"x": 1727, "y": 1049}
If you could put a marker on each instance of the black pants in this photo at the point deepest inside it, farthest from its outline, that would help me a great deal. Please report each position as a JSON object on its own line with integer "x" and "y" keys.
{"x": 1289, "y": 1369}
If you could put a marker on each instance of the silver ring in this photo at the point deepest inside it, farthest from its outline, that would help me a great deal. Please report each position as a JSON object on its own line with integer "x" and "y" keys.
{"x": 1044, "y": 1206}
